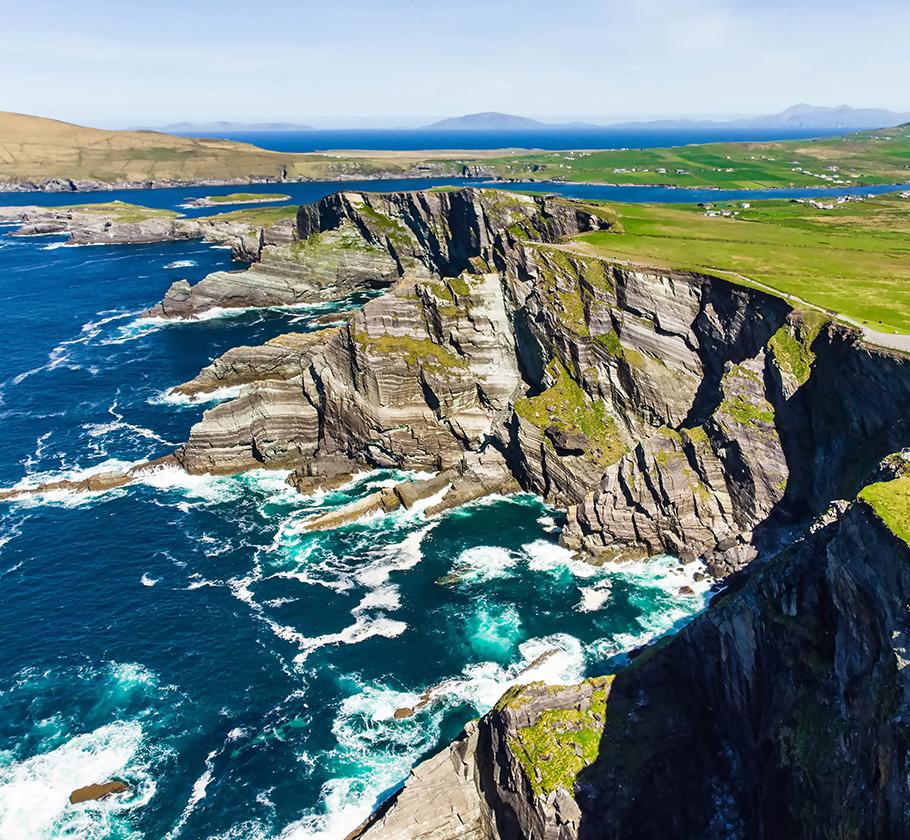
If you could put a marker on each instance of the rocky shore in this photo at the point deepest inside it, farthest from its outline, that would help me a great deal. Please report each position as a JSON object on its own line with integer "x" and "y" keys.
{"x": 118, "y": 223}
{"x": 667, "y": 412}
{"x": 348, "y": 171}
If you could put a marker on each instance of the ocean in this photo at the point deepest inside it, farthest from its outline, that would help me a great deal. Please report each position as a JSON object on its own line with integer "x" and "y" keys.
{"x": 582, "y": 138}
{"x": 185, "y": 635}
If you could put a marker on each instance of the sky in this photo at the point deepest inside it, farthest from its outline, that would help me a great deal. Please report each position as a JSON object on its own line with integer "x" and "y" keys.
{"x": 343, "y": 63}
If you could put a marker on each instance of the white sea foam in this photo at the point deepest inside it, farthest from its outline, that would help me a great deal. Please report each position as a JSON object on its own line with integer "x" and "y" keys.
{"x": 484, "y": 563}
{"x": 119, "y": 425}
{"x": 181, "y": 264}
{"x": 364, "y": 627}
{"x": 60, "y": 355}
{"x": 169, "y": 397}
{"x": 145, "y": 580}
{"x": 545, "y": 556}
{"x": 68, "y": 498}
{"x": 366, "y": 730}
{"x": 34, "y": 792}
{"x": 664, "y": 608}
{"x": 595, "y": 597}
{"x": 196, "y": 795}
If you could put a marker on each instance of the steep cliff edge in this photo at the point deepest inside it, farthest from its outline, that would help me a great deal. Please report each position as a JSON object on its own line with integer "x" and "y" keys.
{"x": 780, "y": 712}
{"x": 669, "y": 412}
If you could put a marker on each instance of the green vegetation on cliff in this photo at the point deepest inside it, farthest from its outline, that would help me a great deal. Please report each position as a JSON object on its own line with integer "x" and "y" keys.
{"x": 561, "y": 742}
{"x": 850, "y": 258}
{"x": 245, "y": 198}
{"x": 413, "y": 350}
{"x": 566, "y": 406}
{"x": 255, "y": 216}
{"x": 792, "y": 344}
{"x": 891, "y": 501}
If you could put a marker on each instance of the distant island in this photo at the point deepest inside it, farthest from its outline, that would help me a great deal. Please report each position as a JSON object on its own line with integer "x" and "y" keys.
{"x": 495, "y": 121}
{"x": 798, "y": 116}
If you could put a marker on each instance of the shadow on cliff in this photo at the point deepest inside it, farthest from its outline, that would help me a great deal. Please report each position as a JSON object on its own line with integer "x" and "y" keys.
{"x": 835, "y": 428}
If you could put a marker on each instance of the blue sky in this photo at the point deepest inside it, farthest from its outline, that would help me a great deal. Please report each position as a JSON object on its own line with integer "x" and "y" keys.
{"x": 389, "y": 62}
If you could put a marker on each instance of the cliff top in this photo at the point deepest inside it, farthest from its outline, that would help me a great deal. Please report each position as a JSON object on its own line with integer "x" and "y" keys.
{"x": 849, "y": 257}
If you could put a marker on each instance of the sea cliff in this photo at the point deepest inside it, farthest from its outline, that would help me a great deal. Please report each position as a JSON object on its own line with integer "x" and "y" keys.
{"x": 665, "y": 411}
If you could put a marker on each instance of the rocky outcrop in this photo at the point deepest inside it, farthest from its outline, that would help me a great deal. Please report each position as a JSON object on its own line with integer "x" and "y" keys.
{"x": 117, "y": 223}
{"x": 91, "y": 793}
{"x": 95, "y": 482}
{"x": 356, "y": 241}
{"x": 439, "y": 800}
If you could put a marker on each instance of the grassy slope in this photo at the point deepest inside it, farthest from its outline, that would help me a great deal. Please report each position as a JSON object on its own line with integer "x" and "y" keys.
{"x": 870, "y": 157}
{"x": 256, "y": 216}
{"x": 853, "y": 260}
{"x": 891, "y": 501}
{"x": 121, "y": 211}
{"x": 242, "y": 197}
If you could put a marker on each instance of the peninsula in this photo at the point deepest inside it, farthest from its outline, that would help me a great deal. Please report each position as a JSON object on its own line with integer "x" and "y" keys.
{"x": 41, "y": 154}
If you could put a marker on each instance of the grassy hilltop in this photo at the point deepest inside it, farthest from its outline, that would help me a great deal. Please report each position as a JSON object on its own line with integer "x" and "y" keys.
{"x": 852, "y": 258}
{"x": 34, "y": 149}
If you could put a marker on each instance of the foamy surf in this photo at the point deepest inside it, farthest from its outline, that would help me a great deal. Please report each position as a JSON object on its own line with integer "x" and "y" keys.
{"x": 367, "y": 731}
{"x": 34, "y": 792}
{"x": 170, "y": 397}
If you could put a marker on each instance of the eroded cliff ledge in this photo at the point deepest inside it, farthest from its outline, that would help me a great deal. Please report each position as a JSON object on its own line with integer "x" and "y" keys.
{"x": 780, "y": 712}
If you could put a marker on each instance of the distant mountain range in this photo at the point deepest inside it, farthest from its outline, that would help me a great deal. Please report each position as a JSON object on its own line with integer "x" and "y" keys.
{"x": 799, "y": 116}
{"x": 223, "y": 125}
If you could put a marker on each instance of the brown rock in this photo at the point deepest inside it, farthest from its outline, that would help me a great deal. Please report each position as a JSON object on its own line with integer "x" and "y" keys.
{"x": 94, "y": 792}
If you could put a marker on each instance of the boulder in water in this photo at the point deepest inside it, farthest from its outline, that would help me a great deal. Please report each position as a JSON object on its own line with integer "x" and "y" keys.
{"x": 91, "y": 793}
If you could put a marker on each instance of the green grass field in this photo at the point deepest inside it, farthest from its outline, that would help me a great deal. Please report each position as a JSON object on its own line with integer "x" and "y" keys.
{"x": 870, "y": 157}
{"x": 241, "y": 198}
{"x": 853, "y": 260}
{"x": 121, "y": 211}
{"x": 255, "y": 216}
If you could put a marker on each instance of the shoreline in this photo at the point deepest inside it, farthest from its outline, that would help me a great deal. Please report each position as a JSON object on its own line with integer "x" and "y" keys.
{"x": 64, "y": 186}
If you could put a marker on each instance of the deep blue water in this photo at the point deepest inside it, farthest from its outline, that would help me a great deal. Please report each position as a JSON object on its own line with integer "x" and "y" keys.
{"x": 594, "y": 138}
{"x": 185, "y": 635}
{"x": 175, "y": 198}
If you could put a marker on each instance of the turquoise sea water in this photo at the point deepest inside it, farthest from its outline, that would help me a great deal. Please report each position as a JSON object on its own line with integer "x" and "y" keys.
{"x": 185, "y": 635}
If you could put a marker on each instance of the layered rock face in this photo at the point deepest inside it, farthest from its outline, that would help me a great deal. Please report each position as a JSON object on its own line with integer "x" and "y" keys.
{"x": 669, "y": 412}
{"x": 356, "y": 241}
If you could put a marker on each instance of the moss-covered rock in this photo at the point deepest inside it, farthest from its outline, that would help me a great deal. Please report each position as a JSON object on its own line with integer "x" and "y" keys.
{"x": 560, "y": 742}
